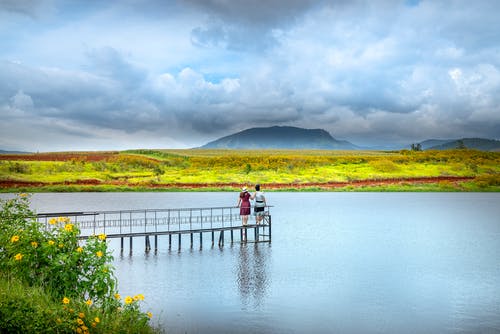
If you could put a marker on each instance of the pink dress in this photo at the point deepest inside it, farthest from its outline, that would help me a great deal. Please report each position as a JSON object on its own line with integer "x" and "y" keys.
{"x": 245, "y": 204}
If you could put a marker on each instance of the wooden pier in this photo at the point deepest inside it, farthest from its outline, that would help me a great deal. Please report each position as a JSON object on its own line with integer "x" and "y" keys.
{"x": 218, "y": 222}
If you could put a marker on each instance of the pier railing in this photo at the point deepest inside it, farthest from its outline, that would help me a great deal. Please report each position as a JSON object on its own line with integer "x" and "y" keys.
{"x": 155, "y": 222}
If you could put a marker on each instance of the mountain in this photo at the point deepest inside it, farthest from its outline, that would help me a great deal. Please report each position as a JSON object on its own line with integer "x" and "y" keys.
{"x": 12, "y": 152}
{"x": 474, "y": 143}
{"x": 427, "y": 144}
{"x": 281, "y": 137}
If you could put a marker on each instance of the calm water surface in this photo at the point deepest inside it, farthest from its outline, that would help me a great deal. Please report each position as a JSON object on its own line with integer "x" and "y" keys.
{"x": 338, "y": 263}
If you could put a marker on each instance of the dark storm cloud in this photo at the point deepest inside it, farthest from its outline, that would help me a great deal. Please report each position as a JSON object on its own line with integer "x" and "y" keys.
{"x": 259, "y": 12}
{"x": 108, "y": 101}
{"x": 246, "y": 25}
{"x": 32, "y": 8}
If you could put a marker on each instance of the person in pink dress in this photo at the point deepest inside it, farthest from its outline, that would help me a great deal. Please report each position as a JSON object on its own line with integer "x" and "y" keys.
{"x": 245, "y": 207}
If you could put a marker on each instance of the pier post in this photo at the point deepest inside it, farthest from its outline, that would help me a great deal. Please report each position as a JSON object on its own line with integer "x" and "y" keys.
{"x": 148, "y": 244}
{"x": 269, "y": 228}
{"x": 231, "y": 236}
{"x": 130, "y": 245}
{"x": 191, "y": 240}
{"x": 156, "y": 243}
{"x": 201, "y": 240}
{"x": 221, "y": 238}
{"x": 170, "y": 241}
{"x": 179, "y": 241}
{"x": 121, "y": 244}
{"x": 212, "y": 237}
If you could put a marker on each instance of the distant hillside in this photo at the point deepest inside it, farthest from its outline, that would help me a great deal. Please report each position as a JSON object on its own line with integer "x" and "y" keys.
{"x": 474, "y": 143}
{"x": 12, "y": 152}
{"x": 281, "y": 137}
{"x": 427, "y": 144}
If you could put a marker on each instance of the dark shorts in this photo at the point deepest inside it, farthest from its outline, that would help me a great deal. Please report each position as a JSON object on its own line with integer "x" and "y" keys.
{"x": 258, "y": 210}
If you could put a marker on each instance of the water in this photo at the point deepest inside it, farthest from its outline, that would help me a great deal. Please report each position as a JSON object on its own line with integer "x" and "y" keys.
{"x": 338, "y": 263}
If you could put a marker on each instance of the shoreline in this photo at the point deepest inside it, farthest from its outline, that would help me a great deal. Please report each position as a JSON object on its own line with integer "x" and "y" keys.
{"x": 436, "y": 184}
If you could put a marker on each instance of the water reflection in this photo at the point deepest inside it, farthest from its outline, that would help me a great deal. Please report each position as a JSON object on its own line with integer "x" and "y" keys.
{"x": 253, "y": 279}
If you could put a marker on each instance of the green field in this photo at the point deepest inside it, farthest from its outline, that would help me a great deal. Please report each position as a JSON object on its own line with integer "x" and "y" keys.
{"x": 197, "y": 169}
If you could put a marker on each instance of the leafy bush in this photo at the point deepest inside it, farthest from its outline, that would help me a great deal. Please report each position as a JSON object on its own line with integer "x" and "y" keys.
{"x": 128, "y": 162}
{"x": 384, "y": 166}
{"x": 28, "y": 309}
{"x": 56, "y": 267}
{"x": 18, "y": 167}
{"x": 488, "y": 180}
{"x": 25, "y": 309}
{"x": 53, "y": 258}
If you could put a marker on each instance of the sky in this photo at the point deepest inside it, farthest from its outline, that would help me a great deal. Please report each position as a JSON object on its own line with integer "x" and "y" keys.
{"x": 114, "y": 75}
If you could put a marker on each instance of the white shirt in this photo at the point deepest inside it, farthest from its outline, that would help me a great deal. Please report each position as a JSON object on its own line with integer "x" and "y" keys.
{"x": 259, "y": 199}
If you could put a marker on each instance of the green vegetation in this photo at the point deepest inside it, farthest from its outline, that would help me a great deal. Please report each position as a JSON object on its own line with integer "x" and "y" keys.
{"x": 52, "y": 283}
{"x": 138, "y": 170}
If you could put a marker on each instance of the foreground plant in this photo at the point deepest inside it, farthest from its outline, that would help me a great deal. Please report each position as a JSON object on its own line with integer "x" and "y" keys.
{"x": 77, "y": 274}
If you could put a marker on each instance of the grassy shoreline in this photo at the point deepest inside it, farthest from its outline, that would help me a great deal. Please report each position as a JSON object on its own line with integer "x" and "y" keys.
{"x": 228, "y": 170}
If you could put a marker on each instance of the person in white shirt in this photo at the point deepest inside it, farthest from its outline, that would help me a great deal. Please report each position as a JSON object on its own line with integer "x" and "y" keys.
{"x": 260, "y": 204}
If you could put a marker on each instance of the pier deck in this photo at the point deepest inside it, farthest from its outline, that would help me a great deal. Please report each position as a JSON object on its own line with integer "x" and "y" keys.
{"x": 168, "y": 222}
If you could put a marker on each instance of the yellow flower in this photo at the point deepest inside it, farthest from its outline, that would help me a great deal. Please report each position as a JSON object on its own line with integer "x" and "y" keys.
{"x": 99, "y": 254}
{"x": 85, "y": 328}
{"x": 78, "y": 330}
{"x": 65, "y": 300}
{"x": 34, "y": 244}
{"x": 15, "y": 238}
{"x": 97, "y": 320}
{"x": 81, "y": 315}
{"x": 61, "y": 245}
{"x": 139, "y": 297}
{"x": 71, "y": 310}
{"x": 18, "y": 257}
{"x": 63, "y": 219}
{"x": 51, "y": 242}
{"x": 69, "y": 227}
{"x": 58, "y": 320}
{"x": 52, "y": 221}
{"x": 79, "y": 249}
{"x": 150, "y": 315}
{"x": 102, "y": 236}
{"x": 88, "y": 302}
{"x": 23, "y": 195}
{"x": 94, "y": 324}
{"x": 117, "y": 296}
{"x": 128, "y": 300}
{"x": 79, "y": 321}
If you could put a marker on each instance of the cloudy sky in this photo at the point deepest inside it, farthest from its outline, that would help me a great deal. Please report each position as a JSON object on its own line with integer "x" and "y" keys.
{"x": 96, "y": 75}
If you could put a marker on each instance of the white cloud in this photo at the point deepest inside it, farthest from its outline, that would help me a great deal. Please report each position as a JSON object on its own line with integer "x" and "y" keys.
{"x": 21, "y": 101}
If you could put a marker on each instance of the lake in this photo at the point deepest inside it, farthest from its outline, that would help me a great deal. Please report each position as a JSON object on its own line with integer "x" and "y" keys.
{"x": 338, "y": 263}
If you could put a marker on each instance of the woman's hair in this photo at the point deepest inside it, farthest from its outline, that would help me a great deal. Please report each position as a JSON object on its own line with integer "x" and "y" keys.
{"x": 242, "y": 194}
{"x": 257, "y": 187}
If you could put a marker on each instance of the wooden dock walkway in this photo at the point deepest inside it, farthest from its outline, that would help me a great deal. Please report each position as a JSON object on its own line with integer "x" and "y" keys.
{"x": 153, "y": 223}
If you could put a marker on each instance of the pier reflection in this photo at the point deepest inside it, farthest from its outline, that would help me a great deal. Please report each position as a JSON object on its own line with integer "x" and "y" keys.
{"x": 253, "y": 279}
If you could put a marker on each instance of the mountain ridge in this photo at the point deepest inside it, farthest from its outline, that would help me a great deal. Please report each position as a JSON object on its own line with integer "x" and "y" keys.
{"x": 290, "y": 137}
{"x": 280, "y": 137}
{"x": 473, "y": 143}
